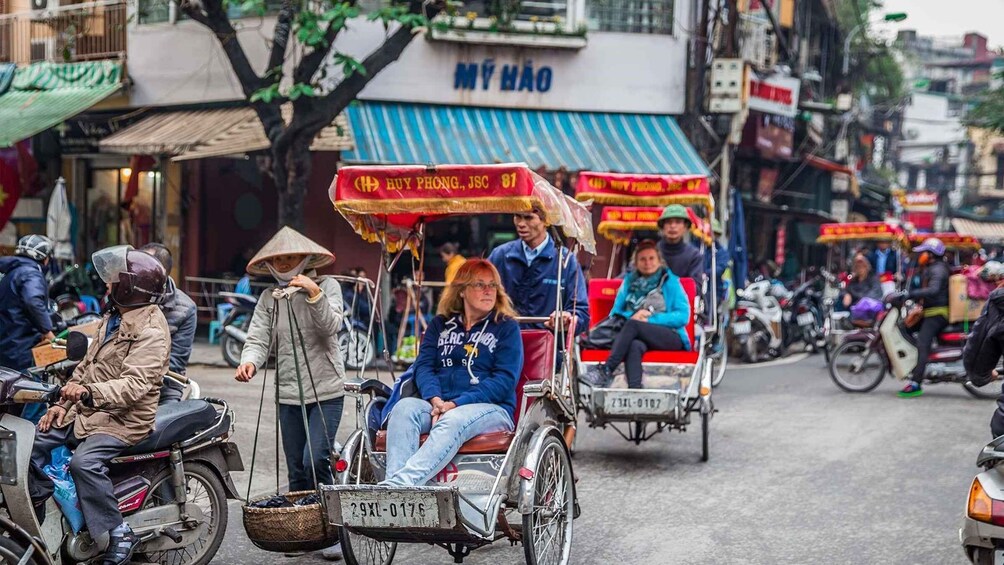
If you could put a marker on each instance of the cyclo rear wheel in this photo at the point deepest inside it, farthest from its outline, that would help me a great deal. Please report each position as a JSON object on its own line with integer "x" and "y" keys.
{"x": 358, "y": 549}
{"x": 547, "y": 528}
{"x": 856, "y": 367}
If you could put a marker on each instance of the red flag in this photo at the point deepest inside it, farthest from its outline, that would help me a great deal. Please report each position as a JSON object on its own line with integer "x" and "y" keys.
{"x": 10, "y": 189}
{"x": 138, "y": 164}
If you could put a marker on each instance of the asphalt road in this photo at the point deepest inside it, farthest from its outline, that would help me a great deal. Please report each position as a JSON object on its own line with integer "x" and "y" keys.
{"x": 800, "y": 472}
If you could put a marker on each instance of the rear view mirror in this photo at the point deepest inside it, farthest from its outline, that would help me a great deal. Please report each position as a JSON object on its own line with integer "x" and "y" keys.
{"x": 76, "y": 346}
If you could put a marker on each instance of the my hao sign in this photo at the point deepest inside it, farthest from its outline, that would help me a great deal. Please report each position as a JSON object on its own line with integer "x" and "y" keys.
{"x": 774, "y": 95}
{"x": 486, "y": 75}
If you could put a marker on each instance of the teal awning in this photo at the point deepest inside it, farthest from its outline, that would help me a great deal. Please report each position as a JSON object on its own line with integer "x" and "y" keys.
{"x": 42, "y": 95}
{"x": 417, "y": 134}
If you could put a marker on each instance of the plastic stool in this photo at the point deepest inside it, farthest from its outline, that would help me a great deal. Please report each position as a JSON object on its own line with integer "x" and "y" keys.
{"x": 214, "y": 331}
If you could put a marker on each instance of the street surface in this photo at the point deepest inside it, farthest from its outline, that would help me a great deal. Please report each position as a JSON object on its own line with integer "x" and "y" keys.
{"x": 800, "y": 472}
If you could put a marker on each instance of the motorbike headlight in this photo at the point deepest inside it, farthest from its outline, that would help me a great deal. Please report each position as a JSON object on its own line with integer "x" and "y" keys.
{"x": 8, "y": 457}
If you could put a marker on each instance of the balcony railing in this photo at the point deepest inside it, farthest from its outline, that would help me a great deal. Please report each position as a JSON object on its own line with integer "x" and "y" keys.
{"x": 75, "y": 32}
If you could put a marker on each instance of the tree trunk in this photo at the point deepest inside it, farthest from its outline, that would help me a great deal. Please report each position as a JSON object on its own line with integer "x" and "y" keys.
{"x": 292, "y": 178}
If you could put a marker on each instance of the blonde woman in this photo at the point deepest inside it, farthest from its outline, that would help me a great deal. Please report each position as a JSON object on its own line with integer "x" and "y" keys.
{"x": 466, "y": 372}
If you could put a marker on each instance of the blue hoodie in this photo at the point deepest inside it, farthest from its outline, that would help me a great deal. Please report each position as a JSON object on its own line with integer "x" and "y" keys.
{"x": 495, "y": 348}
{"x": 677, "y": 312}
{"x": 24, "y": 310}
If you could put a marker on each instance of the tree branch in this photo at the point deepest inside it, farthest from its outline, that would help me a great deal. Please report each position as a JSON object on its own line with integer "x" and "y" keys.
{"x": 280, "y": 36}
{"x": 215, "y": 18}
{"x": 312, "y": 61}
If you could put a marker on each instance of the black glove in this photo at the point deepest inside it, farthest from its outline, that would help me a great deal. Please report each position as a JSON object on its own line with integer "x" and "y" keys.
{"x": 897, "y": 298}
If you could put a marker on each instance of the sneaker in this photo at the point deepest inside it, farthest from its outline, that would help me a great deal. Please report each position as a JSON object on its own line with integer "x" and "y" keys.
{"x": 911, "y": 390}
{"x": 598, "y": 376}
{"x": 121, "y": 545}
{"x": 333, "y": 553}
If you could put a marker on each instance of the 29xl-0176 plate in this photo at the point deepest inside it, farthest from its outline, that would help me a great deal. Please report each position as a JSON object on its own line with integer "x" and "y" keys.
{"x": 390, "y": 509}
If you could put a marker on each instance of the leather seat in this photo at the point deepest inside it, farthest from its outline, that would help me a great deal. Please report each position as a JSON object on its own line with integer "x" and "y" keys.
{"x": 176, "y": 421}
{"x": 538, "y": 364}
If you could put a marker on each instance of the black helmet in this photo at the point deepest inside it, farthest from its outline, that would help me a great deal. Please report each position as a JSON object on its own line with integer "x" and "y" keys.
{"x": 37, "y": 247}
{"x": 137, "y": 278}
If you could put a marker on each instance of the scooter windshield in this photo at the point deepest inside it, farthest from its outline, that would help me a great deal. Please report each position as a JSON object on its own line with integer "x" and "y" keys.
{"x": 110, "y": 262}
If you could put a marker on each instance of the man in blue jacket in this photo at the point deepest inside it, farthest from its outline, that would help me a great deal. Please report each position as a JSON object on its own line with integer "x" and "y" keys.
{"x": 24, "y": 307}
{"x": 529, "y": 270}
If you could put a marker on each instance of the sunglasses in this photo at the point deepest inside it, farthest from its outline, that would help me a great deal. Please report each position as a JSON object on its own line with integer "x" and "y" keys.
{"x": 483, "y": 286}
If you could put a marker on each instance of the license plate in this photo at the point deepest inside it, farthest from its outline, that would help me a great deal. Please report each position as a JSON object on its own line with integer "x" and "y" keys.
{"x": 631, "y": 403}
{"x": 741, "y": 327}
{"x": 806, "y": 319}
{"x": 390, "y": 510}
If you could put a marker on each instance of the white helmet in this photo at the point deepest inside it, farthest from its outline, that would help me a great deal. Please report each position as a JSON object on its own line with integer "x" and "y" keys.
{"x": 37, "y": 247}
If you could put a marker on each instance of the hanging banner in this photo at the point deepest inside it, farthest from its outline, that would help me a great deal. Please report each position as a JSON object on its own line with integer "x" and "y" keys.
{"x": 618, "y": 224}
{"x": 644, "y": 190}
{"x": 860, "y": 231}
{"x": 10, "y": 189}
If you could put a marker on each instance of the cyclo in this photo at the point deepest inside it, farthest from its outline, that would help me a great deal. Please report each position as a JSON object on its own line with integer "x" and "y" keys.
{"x": 684, "y": 383}
{"x": 954, "y": 243}
{"x": 842, "y": 240}
{"x": 516, "y": 485}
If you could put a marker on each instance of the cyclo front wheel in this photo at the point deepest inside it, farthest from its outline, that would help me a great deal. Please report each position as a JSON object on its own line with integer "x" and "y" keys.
{"x": 547, "y": 528}
{"x": 358, "y": 549}
{"x": 856, "y": 367}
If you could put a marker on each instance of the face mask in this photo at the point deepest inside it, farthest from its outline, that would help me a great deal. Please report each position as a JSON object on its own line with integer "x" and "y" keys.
{"x": 284, "y": 278}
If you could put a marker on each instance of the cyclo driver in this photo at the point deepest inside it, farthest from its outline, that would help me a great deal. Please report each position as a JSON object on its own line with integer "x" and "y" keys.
{"x": 110, "y": 402}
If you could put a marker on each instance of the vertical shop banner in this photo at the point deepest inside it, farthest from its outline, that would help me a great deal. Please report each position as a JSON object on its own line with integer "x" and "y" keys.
{"x": 10, "y": 188}
{"x": 137, "y": 164}
{"x": 920, "y": 209}
{"x": 781, "y": 242}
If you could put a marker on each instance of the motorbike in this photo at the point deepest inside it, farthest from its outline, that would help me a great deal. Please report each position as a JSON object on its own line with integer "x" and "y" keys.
{"x": 172, "y": 487}
{"x": 67, "y": 287}
{"x": 357, "y": 348}
{"x": 769, "y": 319}
{"x": 861, "y": 362}
{"x": 982, "y": 531}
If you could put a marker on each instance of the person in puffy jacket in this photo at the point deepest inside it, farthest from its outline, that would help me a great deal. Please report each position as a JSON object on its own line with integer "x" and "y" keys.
{"x": 933, "y": 293}
{"x": 466, "y": 371}
{"x": 985, "y": 345}
{"x": 24, "y": 308}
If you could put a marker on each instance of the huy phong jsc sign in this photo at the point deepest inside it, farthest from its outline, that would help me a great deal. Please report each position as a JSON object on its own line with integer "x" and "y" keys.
{"x": 507, "y": 78}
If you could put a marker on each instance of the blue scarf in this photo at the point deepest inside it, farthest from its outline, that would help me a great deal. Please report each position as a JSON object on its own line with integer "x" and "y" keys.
{"x": 641, "y": 286}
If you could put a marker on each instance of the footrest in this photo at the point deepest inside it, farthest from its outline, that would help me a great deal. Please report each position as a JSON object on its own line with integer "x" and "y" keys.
{"x": 397, "y": 513}
{"x": 613, "y": 404}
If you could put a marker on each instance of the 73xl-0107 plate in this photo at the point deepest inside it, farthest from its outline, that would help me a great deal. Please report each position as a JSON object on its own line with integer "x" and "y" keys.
{"x": 634, "y": 402}
{"x": 390, "y": 509}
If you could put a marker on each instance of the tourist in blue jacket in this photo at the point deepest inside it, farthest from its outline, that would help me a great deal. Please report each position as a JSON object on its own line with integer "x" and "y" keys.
{"x": 466, "y": 371}
{"x": 655, "y": 310}
{"x": 24, "y": 307}
{"x": 529, "y": 270}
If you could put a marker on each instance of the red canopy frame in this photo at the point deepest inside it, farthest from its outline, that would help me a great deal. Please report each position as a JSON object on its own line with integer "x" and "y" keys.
{"x": 861, "y": 231}
{"x": 951, "y": 240}
{"x": 644, "y": 190}
{"x": 387, "y": 204}
{"x": 617, "y": 223}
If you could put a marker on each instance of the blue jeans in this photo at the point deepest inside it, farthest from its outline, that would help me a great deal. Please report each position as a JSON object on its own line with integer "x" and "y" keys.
{"x": 411, "y": 465}
{"x": 294, "y": 441}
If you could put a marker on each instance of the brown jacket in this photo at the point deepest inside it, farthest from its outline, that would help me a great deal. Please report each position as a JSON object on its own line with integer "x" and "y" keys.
{"x": 123, "y": 375}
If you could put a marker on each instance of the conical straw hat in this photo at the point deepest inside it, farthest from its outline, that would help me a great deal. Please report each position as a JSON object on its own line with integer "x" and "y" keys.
{"x": 290, "y": 242}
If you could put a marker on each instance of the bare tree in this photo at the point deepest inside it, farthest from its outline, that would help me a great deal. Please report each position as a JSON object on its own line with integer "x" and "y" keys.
{"x": 315, "y": 25}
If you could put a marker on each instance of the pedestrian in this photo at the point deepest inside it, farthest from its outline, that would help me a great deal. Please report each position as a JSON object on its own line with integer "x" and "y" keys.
{"x": 25, "y": 319}
{"x": 182, "y": 320}
{"x": 311, "y": 376}
{"x": 453, "y": 260}
{"x": 884, "y": 259}
{"x": 529, "y": 268}
{"x": 682, "y": 259}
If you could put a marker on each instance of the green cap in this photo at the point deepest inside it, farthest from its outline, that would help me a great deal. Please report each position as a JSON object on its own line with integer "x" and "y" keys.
{"x": 674, "y": 211}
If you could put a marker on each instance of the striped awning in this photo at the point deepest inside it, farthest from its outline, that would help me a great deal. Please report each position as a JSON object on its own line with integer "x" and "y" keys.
{"x": 986, "y": 232}
{"x": 42, "y": 95}
{"x": 397, "y": 133}
{"x": 198, "y": 134}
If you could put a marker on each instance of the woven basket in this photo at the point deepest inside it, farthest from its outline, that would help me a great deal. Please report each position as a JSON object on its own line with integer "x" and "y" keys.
{"x": 296, "y": 528}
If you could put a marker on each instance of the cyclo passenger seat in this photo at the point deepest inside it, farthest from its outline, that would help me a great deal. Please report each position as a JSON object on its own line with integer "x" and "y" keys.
{"x": 603, "y": 293}
{"x": 538, "y": 365}
{"x": 176, "y": 421}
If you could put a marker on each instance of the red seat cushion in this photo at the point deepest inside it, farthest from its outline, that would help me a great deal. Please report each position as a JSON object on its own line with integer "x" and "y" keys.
{"x": 676, "y": 357}
{"x": 493, "y": 442}
{"x": 603, "y": 293}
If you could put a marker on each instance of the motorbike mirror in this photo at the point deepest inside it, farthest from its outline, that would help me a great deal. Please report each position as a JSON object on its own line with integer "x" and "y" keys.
{"x": 76, "y": 346}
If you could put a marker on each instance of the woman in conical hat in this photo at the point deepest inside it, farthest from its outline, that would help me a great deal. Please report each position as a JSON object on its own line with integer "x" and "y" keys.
{"x": 291, "y": 258}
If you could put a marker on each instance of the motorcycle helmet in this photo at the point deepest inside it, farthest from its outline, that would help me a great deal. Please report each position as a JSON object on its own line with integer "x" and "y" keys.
{"x": 137, "y": 279}
{"x": 37, "y": 247}
{"x": 992, "y": 272}
{"x": 932, "y": 245}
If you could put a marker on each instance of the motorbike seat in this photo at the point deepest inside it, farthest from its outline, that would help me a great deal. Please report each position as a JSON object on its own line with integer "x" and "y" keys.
{"x": 176, "y": 421}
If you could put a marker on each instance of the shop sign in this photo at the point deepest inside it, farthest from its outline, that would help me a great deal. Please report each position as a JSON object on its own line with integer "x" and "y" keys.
{"x": 772, "y": 135}
{"x": 507, "y": 78}
{"x": 81, "y": 134}
{"x": 774, "y": 95}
